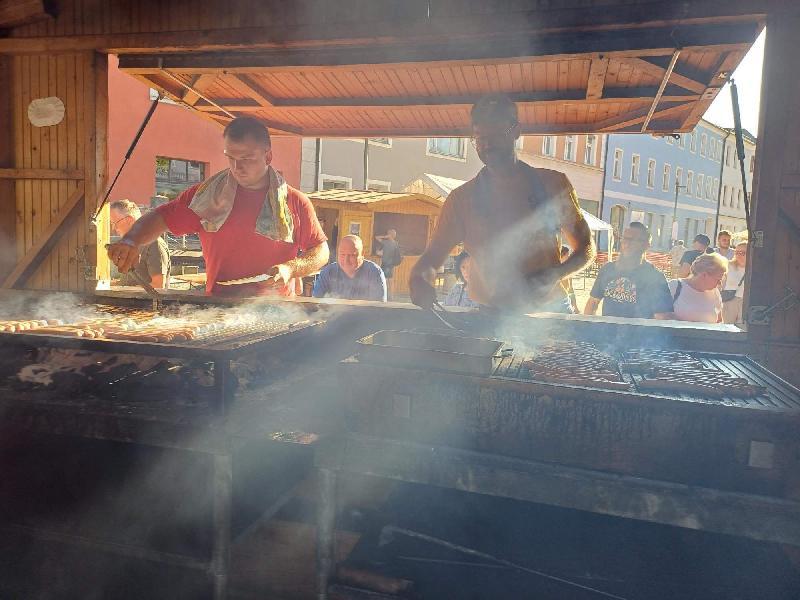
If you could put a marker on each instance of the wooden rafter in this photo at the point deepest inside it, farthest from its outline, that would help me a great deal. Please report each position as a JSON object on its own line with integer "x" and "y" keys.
{"x": 246, "y": 86}
{"x": 200, "y": 83}
{"x": 676, "y": 78}
{"x": 20, "y": 12}
{"x": 667, "y": 74}
{"x": 597, "y": 77}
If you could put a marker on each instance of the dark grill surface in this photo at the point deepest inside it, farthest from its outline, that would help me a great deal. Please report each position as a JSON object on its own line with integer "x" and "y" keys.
{"x": 780, "y": 397}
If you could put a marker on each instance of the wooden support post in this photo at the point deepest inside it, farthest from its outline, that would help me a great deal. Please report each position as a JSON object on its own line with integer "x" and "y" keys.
{"x": 774, "y": 264}
{"x": 8, "y": 250}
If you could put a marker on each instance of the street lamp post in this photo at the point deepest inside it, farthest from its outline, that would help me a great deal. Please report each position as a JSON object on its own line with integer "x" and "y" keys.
{"x": 678, "y": 187}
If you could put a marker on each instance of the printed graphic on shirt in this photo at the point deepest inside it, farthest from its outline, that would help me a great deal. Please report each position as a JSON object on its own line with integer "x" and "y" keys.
{"x": 621, "y": 289}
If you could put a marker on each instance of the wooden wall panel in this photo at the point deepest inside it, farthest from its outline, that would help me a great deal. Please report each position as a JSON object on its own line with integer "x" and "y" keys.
{"x": 7, "y": 191}
{"x": 80, "y": 81}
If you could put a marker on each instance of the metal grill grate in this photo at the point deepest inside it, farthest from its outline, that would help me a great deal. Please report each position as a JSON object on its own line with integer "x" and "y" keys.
{"x": 780, "y": 397}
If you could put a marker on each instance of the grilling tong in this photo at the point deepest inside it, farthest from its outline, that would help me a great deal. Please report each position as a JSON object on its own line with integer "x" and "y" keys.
{"x": 439, "y": 311}
{"x": 147, "y": 287}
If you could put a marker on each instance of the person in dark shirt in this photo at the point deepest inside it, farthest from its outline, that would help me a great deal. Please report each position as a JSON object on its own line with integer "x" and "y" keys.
{"x": 351, "y": 277}
{"x": 631, "y": 286}
{"x": 699, "y": 246}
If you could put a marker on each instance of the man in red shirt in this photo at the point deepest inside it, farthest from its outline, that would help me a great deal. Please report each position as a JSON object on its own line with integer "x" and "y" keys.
{"x": 249, "y": 221}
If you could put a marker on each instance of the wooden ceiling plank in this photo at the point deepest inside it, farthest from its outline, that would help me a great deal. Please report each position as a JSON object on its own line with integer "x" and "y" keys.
{"x": 658, "y": 71}
{"x": 597, "y": 77}
{"x": 200, "y": 83}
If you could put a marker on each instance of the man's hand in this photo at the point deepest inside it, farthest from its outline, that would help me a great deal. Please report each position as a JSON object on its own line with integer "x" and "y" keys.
{"x": 282, "y": 274}
{"x": 422, "y": 291}
{"x": 124, "y": 254}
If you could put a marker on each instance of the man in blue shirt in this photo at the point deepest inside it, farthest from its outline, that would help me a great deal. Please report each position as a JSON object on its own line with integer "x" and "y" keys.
{"x": 351, "y": 277}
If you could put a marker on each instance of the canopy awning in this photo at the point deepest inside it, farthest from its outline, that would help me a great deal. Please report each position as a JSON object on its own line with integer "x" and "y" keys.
{"x": 416, "y": 68}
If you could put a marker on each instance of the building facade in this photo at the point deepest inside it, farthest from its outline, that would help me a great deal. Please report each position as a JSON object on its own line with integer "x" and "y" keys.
{"x": 731, "y": 206}
{"x": 671, "y": 184}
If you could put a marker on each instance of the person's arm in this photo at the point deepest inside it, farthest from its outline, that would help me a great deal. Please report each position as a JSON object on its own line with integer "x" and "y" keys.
{"x": 377, "y": 287}
{"x": 683, "y": 270}
{"x": 597, "y": 291}
{"x": 125, "y": 253}
{"x": 449, "y": 232}
{"x": 311, "y": 239}
{"x": 591, "y": 306}
{"x": 310, "y": 262}
{"x": 575, "y": 230}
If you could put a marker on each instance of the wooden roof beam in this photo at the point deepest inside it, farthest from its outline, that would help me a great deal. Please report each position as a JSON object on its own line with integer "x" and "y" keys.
{"x": 21, "y": 12}
{"x": 247, "y": 87}
{"x": 597, "y": 77}
{"x": 660, "y": 93}
{"x": 199, "y": 84}
{"x": 676, "y": 77}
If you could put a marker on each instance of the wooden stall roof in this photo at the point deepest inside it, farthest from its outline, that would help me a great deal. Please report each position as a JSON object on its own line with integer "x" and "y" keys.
{"x": 370, "y": 197}
{"x": 372, "y": 68}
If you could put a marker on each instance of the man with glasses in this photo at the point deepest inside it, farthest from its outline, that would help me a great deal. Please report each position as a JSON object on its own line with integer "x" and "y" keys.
{"x": 512, "y": 220}
{"x": 250, "y": 222}
{"x": 631, "y": 286}
{"x": 153, "y": 264}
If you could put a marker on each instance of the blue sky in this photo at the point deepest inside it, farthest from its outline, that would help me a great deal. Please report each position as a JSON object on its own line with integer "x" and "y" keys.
{"x": 748, "y": 81}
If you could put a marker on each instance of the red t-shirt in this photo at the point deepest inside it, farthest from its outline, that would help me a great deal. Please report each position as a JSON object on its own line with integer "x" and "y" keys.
{"x": 236, "y": 250}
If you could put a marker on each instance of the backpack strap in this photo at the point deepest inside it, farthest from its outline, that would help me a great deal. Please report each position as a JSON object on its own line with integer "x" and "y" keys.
{"x": 678, "y": 289}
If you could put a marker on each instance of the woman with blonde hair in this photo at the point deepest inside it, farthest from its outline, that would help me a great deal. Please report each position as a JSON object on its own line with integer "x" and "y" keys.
{"x": 697, "y": 297}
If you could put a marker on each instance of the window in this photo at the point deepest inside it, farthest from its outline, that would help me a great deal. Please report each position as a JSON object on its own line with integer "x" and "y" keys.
{"x": 712, "y": 149}
{"x": 689, "y": 183}
{"x": 752, "y": 163}
{"x": 709, "y": 188}
{"x": 700, "y": 186}
{"x": 658, "y": 236}
{"x": 739, "y": 199}
{"x": 670, "y": 139}
{"x": 678, "y": 176}
{"x": 386, "y": 142}
{"x": 693, "y": 142}
{"x": 648, "y": 221}
{"x": 725, "y": 193}
{"x": 715, "y": 190}
{"x": 665, "y": 177}
{"x": 682, "y": 140}
{"x": 570, "y": 145}
{"x": 549, "y": 145}
{"x": 703, "y": 144}
{"x": 376, "y": 185}
{"x": 728, "y": 155}
{"x": 635, "y": 169}
{"x": 687, "y": 230}
{"x": 617, "y": 173}
{"x": 447, "y": 147}
{"x": 590, "y": 152}
{"x": 173, "y": 175}
{"x": 334, "y": 182}
{"x": 651, "y": 173}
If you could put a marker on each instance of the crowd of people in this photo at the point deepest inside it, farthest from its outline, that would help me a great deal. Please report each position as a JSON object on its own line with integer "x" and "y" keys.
{"x": 708, "y": 286}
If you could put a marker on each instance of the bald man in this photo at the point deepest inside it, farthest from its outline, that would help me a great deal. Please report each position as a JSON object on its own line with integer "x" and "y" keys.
{"x": 351, "y": 277}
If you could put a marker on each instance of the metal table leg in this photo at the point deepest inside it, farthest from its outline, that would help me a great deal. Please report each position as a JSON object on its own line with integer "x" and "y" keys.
{"x": 326, "y": 530}
{"x": 222, "y": 377}
{"x": 221, "y": 550}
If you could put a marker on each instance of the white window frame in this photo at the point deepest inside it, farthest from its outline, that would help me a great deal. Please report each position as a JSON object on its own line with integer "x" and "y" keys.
{"x": 636, "y": 161}
{"x": 462, "y": 158}
{"x": 715, "y": 190}
{"x": 570, "y": 142}
{"x": 689, "y": 191}
{"x": 616, "y": 173}
{"x": 693, "y": 142}
{"x": 374, "y": 142}
{"x": 725, "y": 193}
{"x": 324, "y": 177}
{"x": 546, "y": 141}
{"x": 651, "y": 173}
{"x": 678, "y": 175}
{"x": 380, "y": 182}
{"x": 670, "y": 139}
{"x": 682, "y": 140}
{"x": 590, "y": 149}
{"x": 739, "y": 198}
{"x": 703, "y": 144}
{"x": 709, "y": 195}
{"x": 666, "y": 177}
{"x": 700, "y": 189}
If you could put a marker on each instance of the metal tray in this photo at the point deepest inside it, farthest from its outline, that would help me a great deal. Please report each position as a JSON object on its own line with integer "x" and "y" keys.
{"x": 432, "y": 351}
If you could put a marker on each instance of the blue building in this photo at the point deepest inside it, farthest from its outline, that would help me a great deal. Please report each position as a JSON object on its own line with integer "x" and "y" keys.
{"x": 671, "y": 185}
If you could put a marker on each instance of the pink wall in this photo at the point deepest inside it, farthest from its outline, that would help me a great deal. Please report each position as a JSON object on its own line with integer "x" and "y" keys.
{"x": 173, "y": 132}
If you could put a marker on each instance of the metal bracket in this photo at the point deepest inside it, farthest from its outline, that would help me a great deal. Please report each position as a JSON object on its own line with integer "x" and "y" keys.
{"x": 762, "y": 315}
